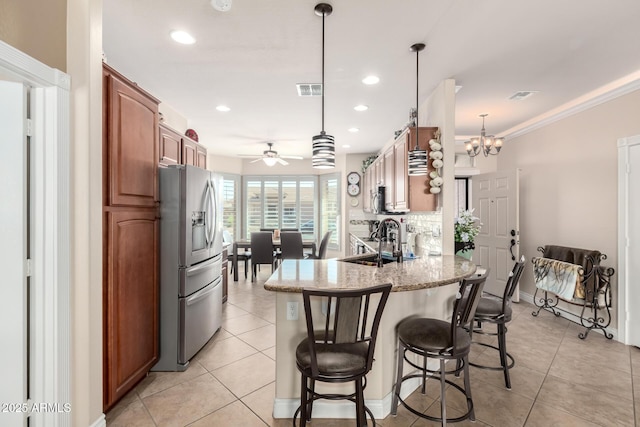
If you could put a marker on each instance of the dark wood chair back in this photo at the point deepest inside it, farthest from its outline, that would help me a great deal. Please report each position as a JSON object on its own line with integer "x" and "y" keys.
{"x": 464, "y": 308}
{"x": 291, "y": 245}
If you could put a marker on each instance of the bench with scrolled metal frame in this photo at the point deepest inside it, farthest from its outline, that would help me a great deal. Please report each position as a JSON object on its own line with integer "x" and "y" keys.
{"x": 597, "y": 296}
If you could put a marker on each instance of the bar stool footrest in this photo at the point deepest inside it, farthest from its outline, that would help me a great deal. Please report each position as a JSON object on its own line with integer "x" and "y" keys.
{"x": 511, "y": 364}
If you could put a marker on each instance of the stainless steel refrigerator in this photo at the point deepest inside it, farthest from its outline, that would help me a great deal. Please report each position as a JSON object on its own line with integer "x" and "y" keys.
{"x": 190, "y": 263}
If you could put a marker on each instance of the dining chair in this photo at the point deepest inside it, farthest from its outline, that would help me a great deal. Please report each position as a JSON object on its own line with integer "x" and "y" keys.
{"x": 322, "y": 250}
{"x": 245, "y": 255}
{"x": 291, "y": 245}
{"x": 342, "y": 350}
{"x": 441, "y": 340}
{"x": 261, "y": 251}
{"x": 286, "y": 230}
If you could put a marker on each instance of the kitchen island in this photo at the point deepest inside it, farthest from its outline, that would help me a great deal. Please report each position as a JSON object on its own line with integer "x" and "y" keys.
{"x": 423, "y": 287}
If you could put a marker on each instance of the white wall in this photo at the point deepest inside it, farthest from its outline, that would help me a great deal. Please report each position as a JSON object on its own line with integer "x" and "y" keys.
{"x": 439, "y": 110}
{"x": 568, "y": 181}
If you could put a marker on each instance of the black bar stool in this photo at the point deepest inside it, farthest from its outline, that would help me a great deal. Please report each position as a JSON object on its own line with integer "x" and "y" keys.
{"x": 343, "y": 350}
{"x": 441, "y": 340}
{"x": 498, "y": 311}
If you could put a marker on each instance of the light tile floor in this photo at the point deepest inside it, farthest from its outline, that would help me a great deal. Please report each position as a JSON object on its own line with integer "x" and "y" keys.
{"x": 558, "y": 380}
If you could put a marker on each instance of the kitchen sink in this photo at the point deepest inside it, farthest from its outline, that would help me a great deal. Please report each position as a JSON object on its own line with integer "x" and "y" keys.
{"x": 369, "y": 260}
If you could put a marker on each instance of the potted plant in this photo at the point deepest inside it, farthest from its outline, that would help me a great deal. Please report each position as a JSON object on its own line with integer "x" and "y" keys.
{"x": 466, "y": 229}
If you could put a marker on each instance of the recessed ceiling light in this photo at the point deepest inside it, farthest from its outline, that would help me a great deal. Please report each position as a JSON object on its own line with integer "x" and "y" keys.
{"x": 361, "y": 107}
{"x": 223, "y": 108}
{"x": 354, "y": 130}
{"x": 371, "y": 80}
{"x": 182, "y": 37}
{"x": 346, "y": 146}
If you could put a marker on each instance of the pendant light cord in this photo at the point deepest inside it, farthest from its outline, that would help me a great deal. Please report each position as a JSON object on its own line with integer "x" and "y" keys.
{"x": 323, "y": 15}
{"x": 417, "y": 85}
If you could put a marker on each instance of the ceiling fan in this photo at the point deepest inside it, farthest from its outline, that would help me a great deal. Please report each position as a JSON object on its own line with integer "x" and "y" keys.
{"x": 270, "y": 157}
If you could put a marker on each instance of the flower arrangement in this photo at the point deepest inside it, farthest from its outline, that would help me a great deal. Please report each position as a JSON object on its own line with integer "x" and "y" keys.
{"x": 368, "y": 161}
{"x": 466, "y": 229}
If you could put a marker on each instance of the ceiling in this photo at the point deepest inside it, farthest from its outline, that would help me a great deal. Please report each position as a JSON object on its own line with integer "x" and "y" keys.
{"x": 251, "y": 57}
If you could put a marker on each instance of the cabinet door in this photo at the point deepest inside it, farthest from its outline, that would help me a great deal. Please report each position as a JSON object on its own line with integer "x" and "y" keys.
{"x": 189, "y": 152}
{"x": 401, "y": 174}
{"x": 201, "y": 156}
{"x": 420, "y": 198}
{"x": 366, "y": 190}
{"x": 130, "y": 300}
{"x": 389, "y": 175}
{"x": 170, "y": 147}
{"x": 131, "y": 141}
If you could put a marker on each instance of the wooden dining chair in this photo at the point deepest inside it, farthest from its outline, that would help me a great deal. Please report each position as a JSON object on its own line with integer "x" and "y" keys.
{"x": 322, "y": 250}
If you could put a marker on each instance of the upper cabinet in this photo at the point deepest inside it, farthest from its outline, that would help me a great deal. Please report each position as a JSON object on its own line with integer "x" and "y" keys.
{"x": 177, "y": 149}
{"x": 390, "y": 169}
{"x": 131, "y": 133}
{"x": 170, "y": 147}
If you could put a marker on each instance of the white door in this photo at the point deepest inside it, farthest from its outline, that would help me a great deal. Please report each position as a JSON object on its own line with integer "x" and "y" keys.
{"x": 13, "y": 252}
{"x": 629, "y": 238}
{"x": 494, "y": 198}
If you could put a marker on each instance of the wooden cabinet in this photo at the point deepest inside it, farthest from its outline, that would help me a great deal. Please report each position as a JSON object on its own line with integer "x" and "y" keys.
{"x": 130, "y": 300}
{"x": 189, "y": 152}
{"x": 170, "y": 147}
{"x": 177, "y": 149}
{"x": 130, "y": 230}
{"x": 389, "y": 178}
{"x": 401, "y": 191}
{"x": 201, "y": 156}
{"x": 225, "y": 273}
{"x": 420, "y": 199}
{"x": 366, "y": 189}
{"x": 131, "y": 129}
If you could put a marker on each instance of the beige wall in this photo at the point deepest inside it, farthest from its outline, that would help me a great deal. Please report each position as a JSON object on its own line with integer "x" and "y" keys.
{"x": 568, "y": 181}
{"x": 37, "y": 28}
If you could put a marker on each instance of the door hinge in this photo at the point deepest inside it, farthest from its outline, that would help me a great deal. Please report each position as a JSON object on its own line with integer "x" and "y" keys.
{"x": 29, "y": 129}
{"x": 28, "y": 267}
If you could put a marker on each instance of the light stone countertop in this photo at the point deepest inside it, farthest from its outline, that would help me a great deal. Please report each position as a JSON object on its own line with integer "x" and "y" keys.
{"x": 410, "y": 275}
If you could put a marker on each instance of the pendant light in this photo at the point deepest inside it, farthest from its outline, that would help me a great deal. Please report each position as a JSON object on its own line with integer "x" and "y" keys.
{"x": 417, "y": 158}
{"x": 324, "y": 147}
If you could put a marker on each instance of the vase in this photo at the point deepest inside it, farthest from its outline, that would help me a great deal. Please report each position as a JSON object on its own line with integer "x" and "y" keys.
{"x": 463, "y": 249}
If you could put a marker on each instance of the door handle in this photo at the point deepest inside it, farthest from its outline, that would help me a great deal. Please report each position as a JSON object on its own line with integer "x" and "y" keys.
{"x": 513, "y": 243}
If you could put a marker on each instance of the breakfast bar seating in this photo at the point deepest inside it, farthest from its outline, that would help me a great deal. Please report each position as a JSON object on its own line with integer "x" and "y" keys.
{"x": 437, "y": 339}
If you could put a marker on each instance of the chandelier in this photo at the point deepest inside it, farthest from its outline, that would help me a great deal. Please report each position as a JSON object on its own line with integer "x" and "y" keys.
{"x": 324, "y": 147}
{"x": 487, "y": 144}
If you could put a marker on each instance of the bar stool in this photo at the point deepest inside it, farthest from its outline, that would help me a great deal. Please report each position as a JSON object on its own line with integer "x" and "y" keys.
{"x": 498, "y": 311}
{"x": 343, "y": 350}
{"x": 441, "y": 340}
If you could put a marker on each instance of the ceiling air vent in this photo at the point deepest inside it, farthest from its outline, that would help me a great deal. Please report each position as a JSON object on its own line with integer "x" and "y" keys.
{"x": 309, "y": 89}
{"x": 519, "y": 96}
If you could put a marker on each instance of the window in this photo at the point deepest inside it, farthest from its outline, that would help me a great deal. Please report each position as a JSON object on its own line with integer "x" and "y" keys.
{"x": 280, "y": 202}
{"x": 462, "y": 195}
{"x": 230, "y": 204}
{"x": 330, "y": 208}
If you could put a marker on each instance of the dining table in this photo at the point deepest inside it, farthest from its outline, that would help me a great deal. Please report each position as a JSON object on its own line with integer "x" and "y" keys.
{"x": 246, "y": 244}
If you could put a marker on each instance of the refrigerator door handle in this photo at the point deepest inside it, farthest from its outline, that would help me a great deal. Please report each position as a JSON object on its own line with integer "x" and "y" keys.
{"x": 214, "y": 213}
{"x": 192, "y": 271}
{"x": 206, "y": 208}
{"x": 202, "y": 293}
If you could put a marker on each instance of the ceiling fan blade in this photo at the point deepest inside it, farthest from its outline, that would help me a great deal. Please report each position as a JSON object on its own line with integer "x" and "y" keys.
{"x": 250, "y": 155}
{"x": 293, "y": 157}
{"x": 282, "y": 162}
{"x": 256, "y": 160}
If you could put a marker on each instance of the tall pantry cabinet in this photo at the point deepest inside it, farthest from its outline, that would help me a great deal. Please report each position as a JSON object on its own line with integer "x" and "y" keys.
{"x": 130, "y": 234}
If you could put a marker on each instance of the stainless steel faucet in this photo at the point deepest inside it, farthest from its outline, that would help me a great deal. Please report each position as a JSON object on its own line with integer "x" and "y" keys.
{"x": 397, "y": 244}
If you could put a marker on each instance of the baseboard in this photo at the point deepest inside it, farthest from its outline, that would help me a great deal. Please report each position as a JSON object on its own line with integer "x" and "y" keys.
{"x": 573, "y": 317}
{"x": 380, "y": 408}
{"x": 100, "y": 422}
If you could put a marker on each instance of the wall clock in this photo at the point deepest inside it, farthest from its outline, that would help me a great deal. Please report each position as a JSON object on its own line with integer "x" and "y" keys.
{"x": 353, "y": 183}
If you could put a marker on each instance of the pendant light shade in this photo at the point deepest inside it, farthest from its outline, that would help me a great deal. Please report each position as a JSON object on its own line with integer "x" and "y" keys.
{"x": 417, "y": 160}
{"x": 324, "y": 147}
